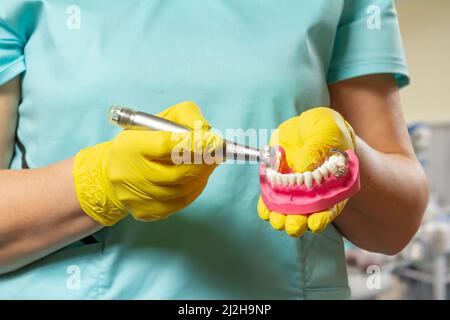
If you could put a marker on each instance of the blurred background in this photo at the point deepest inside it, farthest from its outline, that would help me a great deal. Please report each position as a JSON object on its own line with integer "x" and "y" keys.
{"x": 421, "y": 270}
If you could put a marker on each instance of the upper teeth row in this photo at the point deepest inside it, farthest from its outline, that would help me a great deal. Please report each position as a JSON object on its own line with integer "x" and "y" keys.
{"x": 334, "y": 164}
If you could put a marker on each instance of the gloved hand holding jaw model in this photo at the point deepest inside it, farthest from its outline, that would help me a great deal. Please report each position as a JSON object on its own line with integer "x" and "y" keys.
{"x": 135, "y": 173}
{"x": 306, "y": 141}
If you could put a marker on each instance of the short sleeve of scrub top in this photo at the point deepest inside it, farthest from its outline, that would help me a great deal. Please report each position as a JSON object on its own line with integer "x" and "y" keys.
{"x": 368, "y": 41}
{"x": 250, "y": 65}
{"x": 12, "y": 60}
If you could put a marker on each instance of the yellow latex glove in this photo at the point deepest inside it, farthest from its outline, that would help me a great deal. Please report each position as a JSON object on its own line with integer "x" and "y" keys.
{"x": 135, "y": 173}
{"x": 307, "y": 139}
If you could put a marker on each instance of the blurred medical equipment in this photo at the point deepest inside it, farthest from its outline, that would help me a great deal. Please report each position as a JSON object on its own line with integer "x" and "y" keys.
{"x": 420, "y": 135}
{"x": 421, "y": 270}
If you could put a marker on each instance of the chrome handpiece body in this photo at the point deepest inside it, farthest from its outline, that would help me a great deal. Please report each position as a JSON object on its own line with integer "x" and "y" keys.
{"x": 131, "y": 119}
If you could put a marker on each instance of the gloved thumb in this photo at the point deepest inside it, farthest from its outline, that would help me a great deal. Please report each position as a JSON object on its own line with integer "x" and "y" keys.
{"x": 318, "y": 131}
{"x": 308, "y": 157}
{"x": 303, "y": 152}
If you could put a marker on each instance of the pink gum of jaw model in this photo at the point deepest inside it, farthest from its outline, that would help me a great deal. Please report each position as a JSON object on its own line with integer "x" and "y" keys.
{"x": 300, "y": 200}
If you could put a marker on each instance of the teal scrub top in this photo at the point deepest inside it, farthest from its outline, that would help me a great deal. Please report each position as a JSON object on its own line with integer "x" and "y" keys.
{"x": 249, "y": 64}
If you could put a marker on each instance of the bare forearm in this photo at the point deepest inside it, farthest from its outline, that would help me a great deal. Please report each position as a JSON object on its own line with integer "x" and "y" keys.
{"x": 39, "y": 213}
{"x": 9, "y": 100}
{"x": 387, "y": 211}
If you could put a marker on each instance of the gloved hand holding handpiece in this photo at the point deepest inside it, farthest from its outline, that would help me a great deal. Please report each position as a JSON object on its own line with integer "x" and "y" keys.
{"x": 134, "y": 173}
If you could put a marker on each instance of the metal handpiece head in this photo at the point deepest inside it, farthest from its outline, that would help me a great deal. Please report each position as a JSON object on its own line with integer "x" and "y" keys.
{"x": 268, "y": 156}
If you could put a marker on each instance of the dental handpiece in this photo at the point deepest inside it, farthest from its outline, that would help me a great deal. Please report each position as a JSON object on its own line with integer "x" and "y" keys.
{"x": 137, "y": 120}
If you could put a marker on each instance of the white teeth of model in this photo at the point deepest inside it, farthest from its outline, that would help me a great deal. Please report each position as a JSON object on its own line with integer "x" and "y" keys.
{"x": 284, "y": 180}
{"x": 308, "y": 179}
{"x": 299, "y": 178}
{"x": 291, "y": 178}
{"x": 271, "y": 176}
{"x": 278, "y": 178}
{"x": 331, "y": 166}
{"x": 324, "y": 171}
{"x": 317, "y": 176}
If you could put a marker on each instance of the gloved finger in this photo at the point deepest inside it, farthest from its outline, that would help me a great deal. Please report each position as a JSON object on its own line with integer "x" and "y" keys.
{"x": 263, "y": 212}
{"x": 187, "y": 114}
{"x": 277, "y": 220}
{"x": 296, "y": 224}
{"x": 171, "y": 191}
{"x": 154, "y": 144}
{"x": 164, "y": 173}
{"x": 164, "y": 145}
{"x": 198, "y": 141}
{"x": 319, "y": 220}
{"x": 157, "y": 209}
{"x": 198, "y": 147}
{"x": 351, "y": 131}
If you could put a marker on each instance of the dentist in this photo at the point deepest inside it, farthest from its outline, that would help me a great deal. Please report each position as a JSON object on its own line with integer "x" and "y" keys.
{"x": 74, "y": 189}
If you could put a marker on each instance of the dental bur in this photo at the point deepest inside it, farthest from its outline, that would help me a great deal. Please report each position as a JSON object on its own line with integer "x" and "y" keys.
{"x": 137, "y": 120}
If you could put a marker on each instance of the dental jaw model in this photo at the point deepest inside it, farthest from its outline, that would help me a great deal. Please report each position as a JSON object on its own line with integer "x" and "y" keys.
{"x": 288, "y": 192}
